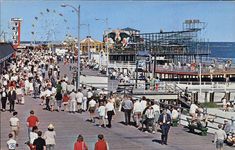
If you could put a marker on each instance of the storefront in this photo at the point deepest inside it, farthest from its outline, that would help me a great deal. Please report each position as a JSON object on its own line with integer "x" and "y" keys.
{"x": 6, "y": 51}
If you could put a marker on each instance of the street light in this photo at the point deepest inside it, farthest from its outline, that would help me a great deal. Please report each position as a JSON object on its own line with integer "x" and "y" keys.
{"x": 200, "y": 78}
{"x": 78, "y": 42}
{"x": 106, "y": 45}
{"x": 88, "y": 28}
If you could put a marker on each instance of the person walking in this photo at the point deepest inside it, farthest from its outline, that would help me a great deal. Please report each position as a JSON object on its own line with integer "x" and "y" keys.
{"x": 11, "y": 143}
{"x": 72, "y": 102}
{"x": 92, "y": 108}
{"x": 32, "y": 121}
{"x": 101, "y": 144}
{"x": 15, "y": 125}
{"x": 137, "y": 111}
{"x": 39, "y": 143}
{"x": 89, "y": 97}
{"x": 19, "y": 95}
{"x": 65, "y": 102}
{"x": 12, "y": 99}
{"x": 79, "y": 97}
{"x": 220, "y": 136}
{"x": 84, "y": 100}
{"x": 110, "y": 111}
{"x": 80, "y": 144}
{"x": 127, "y": 106}
{"x": 4, "y": 98}
{"x": 49, "y": 136}
{"x": 101, "y": 113}
{"x": 58, "y": 98}
{"x": 165, "y": 122}
{"x": 48, "y": 94}
{"x": 150, "y": 116}
{"x": 33, "y": 135}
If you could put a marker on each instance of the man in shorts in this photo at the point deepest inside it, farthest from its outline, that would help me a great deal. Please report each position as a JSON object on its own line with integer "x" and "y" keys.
{"x": 15, "y": 124}
{"x": 220, "y": 136}
{"x": 92, "y": 108}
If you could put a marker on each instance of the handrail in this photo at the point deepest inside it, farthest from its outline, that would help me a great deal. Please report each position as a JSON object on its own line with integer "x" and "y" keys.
{"x": 232, "y": 119}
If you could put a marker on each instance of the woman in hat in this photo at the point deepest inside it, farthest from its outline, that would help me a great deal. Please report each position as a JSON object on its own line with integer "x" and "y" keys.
{"x": 49, "y": 137}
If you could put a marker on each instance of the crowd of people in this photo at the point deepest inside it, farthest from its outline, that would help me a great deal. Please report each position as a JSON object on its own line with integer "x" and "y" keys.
{"x": 40, "y": 77}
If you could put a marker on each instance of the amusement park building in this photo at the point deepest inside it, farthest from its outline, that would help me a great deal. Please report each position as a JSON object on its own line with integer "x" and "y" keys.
{"x": 95, "y": 45}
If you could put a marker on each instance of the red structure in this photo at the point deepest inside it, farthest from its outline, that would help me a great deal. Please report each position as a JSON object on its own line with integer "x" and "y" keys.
{"x": 16, "y": 30}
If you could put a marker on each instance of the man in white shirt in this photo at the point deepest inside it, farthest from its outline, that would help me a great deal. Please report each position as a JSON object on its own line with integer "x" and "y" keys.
{"x": 101, "y": 112}
{"x": 79, "y": 97}
{"x": 19, "y": 94}
{"x": 84, "y": 100}
{"x": 48, "y": 94}
{"x": 150, "y": 115}
{"x": 110, "y": 111}
{"x": 27, "y": 86}
{"x": 73, "y": 102}
{"x": 192, "y": 111}
{"x": 64, "y": 86}
{"x": 52, "y": 99}
{"x": 143, "y": 103}
{"x": 224, "y": 101}
{"x": 70, "y": 87}
{"x": 89, "y": 96}
{"x": 219, "y": 138}
{"x": 11, "y": 143}
{"x": 92, "y": 108}
{"x": 174, "y": 114}
{"x": 137, "y": 110}
{"x": 156, "y": 109}
{"x": 15, "y": 124}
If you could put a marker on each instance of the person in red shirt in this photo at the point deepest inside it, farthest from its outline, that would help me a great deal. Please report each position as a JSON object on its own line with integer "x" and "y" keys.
{"x": 101, "y": 144}
{"x": 65, "y": 101}
{"x": 32, "y": 121}
{"x": 80, "y": 144}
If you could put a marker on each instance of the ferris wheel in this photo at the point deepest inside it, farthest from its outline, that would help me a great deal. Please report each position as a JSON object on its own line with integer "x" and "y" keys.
{"x": 48, "y": 24}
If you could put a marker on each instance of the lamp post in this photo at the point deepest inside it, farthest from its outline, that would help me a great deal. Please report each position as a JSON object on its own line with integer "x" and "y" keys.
{"x": 106, "y": 45}
{"x": 89, "y": 52}
{"x": 200, "y": 78}
{"x": 78, "y": 42}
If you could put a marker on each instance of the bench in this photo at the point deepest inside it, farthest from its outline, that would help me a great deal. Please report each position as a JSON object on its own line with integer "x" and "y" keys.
{"x": 193, "y": 127}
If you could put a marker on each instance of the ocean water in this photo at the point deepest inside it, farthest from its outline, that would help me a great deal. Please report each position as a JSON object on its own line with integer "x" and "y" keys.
{"x": 222, "y": 50}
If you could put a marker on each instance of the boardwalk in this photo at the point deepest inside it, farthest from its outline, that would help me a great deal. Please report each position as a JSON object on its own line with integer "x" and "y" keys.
{"x": 119, "y": 137}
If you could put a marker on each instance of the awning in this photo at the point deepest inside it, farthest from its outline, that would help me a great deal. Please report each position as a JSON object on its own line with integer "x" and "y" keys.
{"x": 6, "y": 50}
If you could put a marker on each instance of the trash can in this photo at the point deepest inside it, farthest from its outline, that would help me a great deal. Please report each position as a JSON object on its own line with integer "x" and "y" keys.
{"x": 195, "y": 97}
{"x": 227, "y": 95}
{"x": 211, "y": 96}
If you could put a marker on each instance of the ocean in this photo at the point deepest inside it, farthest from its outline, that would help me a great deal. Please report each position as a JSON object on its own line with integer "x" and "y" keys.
{"x": 222, "y": 50}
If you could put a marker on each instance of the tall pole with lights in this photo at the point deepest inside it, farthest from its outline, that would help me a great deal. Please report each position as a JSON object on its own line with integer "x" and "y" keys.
{"x": 78, "y": 42}
{"x": 88, "y": 44}
{"x": 106, "y": 45}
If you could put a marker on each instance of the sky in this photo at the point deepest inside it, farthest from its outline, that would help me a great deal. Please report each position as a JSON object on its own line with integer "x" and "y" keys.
{"x": 146, "y": 16}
